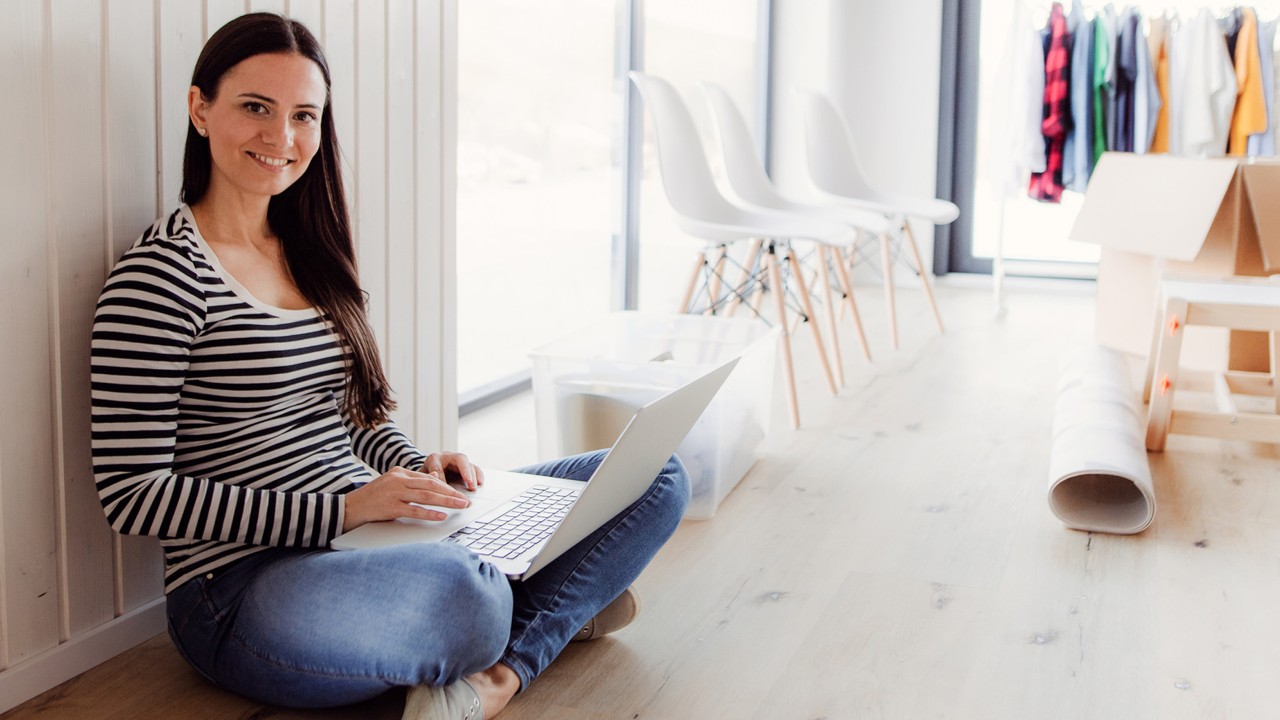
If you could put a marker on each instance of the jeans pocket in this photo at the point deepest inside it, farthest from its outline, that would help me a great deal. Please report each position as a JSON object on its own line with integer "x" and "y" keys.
{"x": 216, "y": 601}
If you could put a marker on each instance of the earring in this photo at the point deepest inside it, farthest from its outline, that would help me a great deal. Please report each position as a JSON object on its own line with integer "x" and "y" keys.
{"x": 203, "y": 132}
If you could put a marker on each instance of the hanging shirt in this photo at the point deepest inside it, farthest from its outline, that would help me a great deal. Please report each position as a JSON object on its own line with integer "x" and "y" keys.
{"x": 1146, "y": 98}
{"x": 1230, "y": 24}
{"x": 1047, "y": 185}
{"x": 1275, "y": 119}
{"x": 1250, "y": 114}
{"x": 1080, "y": 149}
{"x": 1158, "y": 42}
{"x": 1205, "y": 83}
{"x": 1018, "y": 108}
{"x": 1126, "y": 55}
{"x": 1074, "y": 22}
{"x": 1177, "y": 47}
{"x": 1112, "y": 23}
{"x": 1101, "y": 86}
{"x": 1264, "y": 143}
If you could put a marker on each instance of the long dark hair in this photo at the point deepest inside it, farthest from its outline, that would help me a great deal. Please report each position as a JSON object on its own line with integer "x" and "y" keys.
{"x": 310, "y": 217}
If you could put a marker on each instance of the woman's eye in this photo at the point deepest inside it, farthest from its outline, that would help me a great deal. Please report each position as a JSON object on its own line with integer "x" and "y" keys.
{"x": 255, "y": 107}
{"x": 305, "y": 117}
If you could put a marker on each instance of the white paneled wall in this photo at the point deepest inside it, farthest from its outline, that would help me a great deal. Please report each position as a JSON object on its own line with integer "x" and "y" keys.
{"x": 91, "y": 142}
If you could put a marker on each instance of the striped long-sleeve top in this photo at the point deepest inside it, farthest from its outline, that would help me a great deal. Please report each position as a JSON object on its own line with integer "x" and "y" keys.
{"x": 216, "y": 418}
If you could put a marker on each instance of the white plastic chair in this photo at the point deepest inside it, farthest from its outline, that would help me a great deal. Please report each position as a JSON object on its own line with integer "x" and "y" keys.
{"x": 836, "y": 173}
{"x": 703, "y": 212}
{"x": 748, "y": 181}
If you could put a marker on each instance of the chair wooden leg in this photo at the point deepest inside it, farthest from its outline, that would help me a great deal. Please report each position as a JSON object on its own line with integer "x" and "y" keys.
{"x": 752, "y": 253}
{"x": 824, "y": 276}
{"x": 715, "y": 285}
{"x": 924, "y": 277}
{"x": 846, "y": 286}
{"x": 788, "y": 370}
{"x": 886, "y": 255}
{"x": 803, "y": 291}
{"x": 845, "y": 260}
{"x": 757, "y": 299}
{"x": 687, "y": 298}
{"x": 1165, "y": 375}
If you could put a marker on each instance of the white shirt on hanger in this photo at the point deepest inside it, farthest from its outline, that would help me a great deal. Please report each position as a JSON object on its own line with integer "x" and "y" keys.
{"x": 1207, "y": 85}
{"x": 1175, "y": 31}
{"x": 1018, "y": 147}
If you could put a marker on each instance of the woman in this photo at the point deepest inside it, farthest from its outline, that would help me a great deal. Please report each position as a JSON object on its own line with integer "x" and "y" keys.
{"x": 239, "y": 402}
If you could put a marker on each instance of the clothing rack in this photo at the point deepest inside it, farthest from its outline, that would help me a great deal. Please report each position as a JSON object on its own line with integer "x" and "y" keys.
{"x": 1173, "y": 91}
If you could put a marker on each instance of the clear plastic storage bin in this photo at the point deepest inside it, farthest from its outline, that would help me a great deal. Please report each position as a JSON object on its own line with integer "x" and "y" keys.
{"x": 587, "y": 385}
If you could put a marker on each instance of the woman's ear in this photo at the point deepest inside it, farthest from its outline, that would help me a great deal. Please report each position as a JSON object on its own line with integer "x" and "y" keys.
{"x": 196, "y": 107}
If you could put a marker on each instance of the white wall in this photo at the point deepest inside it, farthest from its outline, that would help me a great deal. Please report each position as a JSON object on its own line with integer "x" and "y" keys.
{"x": 91, "y": 142}
{"x": 879, "y": 61}
{"x": 800, "y": 53}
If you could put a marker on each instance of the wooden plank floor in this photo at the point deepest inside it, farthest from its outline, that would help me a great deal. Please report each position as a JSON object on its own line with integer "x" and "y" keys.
{"x": 896, "y": 558}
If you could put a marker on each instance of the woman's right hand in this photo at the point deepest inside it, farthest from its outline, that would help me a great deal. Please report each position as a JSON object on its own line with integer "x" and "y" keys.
{"x": 400, "y": 493}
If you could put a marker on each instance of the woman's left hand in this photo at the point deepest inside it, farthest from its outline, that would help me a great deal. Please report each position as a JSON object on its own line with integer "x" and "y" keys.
{"x": 454, "y": 467}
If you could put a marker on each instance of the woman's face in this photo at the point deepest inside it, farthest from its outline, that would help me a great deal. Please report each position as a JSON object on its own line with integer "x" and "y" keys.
{"x": 264, "y": 123}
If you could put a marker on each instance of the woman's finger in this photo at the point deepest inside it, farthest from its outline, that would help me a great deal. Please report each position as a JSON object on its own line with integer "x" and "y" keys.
{"x": 433, "y": 465}
{"x": 463, "y": 468}
{"x": 431, "y": 483}
{"x": 418, "y": 512}
{"x": 439, "y": 499}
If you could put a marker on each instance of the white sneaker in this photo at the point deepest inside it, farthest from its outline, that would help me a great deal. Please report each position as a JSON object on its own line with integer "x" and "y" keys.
{"x": 457, "y": 701}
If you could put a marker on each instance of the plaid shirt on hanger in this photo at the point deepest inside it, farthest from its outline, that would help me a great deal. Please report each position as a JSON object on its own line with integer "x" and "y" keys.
{"x": 1047, "y": 186}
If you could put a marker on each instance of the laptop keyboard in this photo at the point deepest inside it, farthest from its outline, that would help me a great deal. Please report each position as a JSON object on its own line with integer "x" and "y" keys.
{"x": 524, "y": 521}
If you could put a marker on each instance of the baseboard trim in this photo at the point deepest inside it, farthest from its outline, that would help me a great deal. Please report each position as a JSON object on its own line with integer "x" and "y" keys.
{"x": 50, "y": 669}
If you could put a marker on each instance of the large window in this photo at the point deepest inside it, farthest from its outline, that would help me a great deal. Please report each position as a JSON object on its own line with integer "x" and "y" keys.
{"x": 542, "y": 149}
{"x": 536, "y": 125}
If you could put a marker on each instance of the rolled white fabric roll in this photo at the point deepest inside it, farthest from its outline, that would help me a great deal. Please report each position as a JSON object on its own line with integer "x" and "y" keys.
{"x": 1099, "y": 477}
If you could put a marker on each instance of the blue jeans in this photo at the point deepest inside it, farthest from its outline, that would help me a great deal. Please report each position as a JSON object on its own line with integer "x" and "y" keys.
{"x": 319, "y": 628}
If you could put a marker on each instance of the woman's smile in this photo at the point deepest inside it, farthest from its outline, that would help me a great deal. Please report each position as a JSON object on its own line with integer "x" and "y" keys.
{"x": 275, "y": 164}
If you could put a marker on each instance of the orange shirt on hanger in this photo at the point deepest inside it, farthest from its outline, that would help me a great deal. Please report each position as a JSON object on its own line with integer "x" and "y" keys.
{"x": 1160, "y": 54}
{"x": 1250, "y": 115}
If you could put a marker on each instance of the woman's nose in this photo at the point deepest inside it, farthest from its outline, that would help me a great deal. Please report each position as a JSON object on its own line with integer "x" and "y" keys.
{"x": 278, "y": 133}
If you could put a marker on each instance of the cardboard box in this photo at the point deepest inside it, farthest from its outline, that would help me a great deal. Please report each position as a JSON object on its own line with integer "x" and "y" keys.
{"x": 1156, "y": 215}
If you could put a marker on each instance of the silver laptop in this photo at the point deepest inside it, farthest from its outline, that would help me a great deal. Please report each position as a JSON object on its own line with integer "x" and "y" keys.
{"x": 520, "y": 522}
